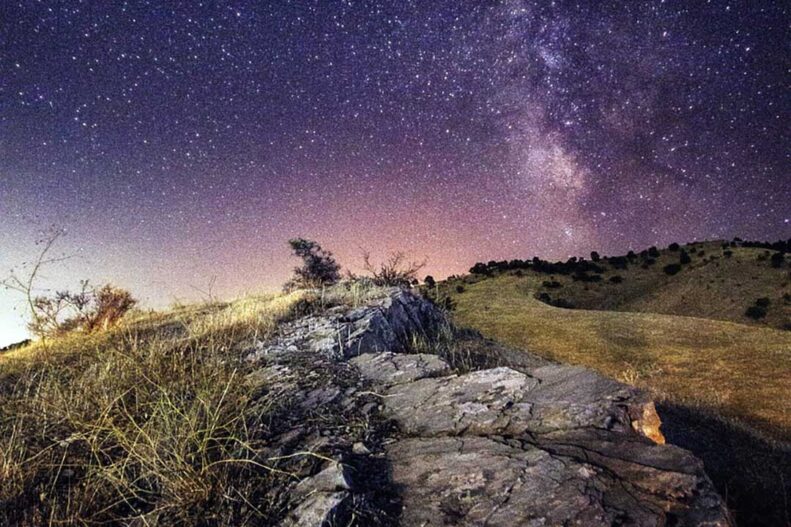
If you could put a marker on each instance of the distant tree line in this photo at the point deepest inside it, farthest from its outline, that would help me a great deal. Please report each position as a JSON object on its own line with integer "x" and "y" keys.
{"x": 587, "y": 270}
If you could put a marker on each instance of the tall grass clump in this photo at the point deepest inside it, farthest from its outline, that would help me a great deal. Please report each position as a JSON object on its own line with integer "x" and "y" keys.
{"x": 152, "y": 422}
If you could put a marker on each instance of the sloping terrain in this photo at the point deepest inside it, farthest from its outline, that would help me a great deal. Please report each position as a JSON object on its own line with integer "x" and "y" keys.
{"x": 740, "y": 371}
{"x": 720, "y": 282}
{"x": 311, "y": 411}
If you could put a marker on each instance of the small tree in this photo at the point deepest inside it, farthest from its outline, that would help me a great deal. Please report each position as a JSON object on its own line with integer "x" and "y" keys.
{"x": 318, "y": 266}
{"x": 595, "y": 256}
{"x": 429, "y": 281}
{"x": 395, "y": 271}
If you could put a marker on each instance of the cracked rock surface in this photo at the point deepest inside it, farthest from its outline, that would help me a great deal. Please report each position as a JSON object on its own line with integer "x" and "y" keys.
{"x": 526, "y": 443}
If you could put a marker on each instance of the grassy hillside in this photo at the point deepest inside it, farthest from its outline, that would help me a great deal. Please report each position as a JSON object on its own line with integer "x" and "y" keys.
{"x": 149, "y": 419}
{"x": 740, "y": 371}
{"x": 718, "y": 282}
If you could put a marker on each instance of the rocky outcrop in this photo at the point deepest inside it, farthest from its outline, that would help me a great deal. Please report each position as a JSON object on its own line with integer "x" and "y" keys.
{"x": 529, "y": 443}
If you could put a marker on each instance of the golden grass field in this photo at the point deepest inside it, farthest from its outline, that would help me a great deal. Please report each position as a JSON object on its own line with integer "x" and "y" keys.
{"x": 740, "y": 371}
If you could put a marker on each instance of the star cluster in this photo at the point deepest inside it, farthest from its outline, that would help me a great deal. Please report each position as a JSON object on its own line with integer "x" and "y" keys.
{"x": 182, "y": 140}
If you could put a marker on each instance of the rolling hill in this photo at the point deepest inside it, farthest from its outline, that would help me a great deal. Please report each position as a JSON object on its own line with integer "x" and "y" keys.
{"x": 719, "y": 280}
{"x": 738, "y": 370}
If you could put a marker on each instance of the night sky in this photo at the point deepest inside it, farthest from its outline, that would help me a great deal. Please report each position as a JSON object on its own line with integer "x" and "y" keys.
{"x": 177, "y": 141}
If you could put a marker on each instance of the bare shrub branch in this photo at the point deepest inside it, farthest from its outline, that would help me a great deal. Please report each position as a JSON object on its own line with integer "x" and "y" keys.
{"x": 396, "y": 270}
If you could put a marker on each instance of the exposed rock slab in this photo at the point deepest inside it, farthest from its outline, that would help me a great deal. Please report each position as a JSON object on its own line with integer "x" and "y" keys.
{"x": 537, "y": 443}
{"x": 503, "y": 401}
{"x": 470, "y": 481}
{"x": 389, "y": 324}
{"x": 397, "y": 368}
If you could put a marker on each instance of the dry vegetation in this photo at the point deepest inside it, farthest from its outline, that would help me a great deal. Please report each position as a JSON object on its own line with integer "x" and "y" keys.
{"x": 148, "y": 420}
{"x": 740, "y": 371}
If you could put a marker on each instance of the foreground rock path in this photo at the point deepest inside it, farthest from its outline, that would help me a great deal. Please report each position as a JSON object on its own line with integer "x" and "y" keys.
{"x": 544, "y": 444}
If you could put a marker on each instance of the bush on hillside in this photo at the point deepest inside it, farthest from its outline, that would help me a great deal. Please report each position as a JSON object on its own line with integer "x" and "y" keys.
{"x": 394, "y": 271}
{"x": 673, "y": 247}
{"x": 553, "y": 284}
{"x": 562, "y": 303}
{"x": 429, "y": 281}
{"x": 762, "y": 302}
{"x": 619, "y": 262}
{"x": 616, "y": 279}
{"x": 110, "y": 304}
{"x": 684, "y": 258}
{"x": 88, "y": 310}
{"x": 653, "y": 252}
{"x": 777, "y": 260}
{"x": 595, "y": 256}
{"x": 319, "y": 267}
{"x": 672, "y": 269}
{"x": 755, "y": 312}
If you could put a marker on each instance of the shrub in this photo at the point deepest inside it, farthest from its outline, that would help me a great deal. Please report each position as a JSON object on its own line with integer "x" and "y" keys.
{"x": 653, "y": 252}
{"x": 582, "y": 276}
{"x": 762, "y": 302}
{"x": 562, "y": 303}
{"x": 672, "y": 269}
{"x": 395, "y": 271}
{"x": 459, "y": 288}
{"x": 318, "y": 266}
{"x": 429, "y": 281}
{"x": 673, "y": 247}
{"x": 110, "y": 304}
{"x": 619, "y": 262}
{"x": 777, "y": 260}
{"x": 755, "y": 312}
{"x": 727, "y": 254}
{"x": 87, "y": 310}
{"x": 479, "y": 268}
{"x": 616, "y": 279}
{"x": 554, "y": 284}
{"x": 684, "y": 258}
{"x": 595, "y": 256}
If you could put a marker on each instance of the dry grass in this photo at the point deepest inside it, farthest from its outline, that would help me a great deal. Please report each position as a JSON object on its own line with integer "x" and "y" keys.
{"x": 148, "y": 421}
{"x": 739, "y": 371}
{"x": 711, "y": 286}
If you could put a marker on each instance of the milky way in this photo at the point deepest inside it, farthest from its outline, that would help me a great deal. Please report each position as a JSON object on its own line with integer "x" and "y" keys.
{"x": 182, "y": 140}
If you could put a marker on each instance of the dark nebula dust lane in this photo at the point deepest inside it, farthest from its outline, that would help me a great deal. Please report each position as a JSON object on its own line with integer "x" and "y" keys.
{"x": 183, "y": 140}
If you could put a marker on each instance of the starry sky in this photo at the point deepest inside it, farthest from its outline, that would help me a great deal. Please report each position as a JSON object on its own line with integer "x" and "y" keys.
{"x": 181, "y": 141}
